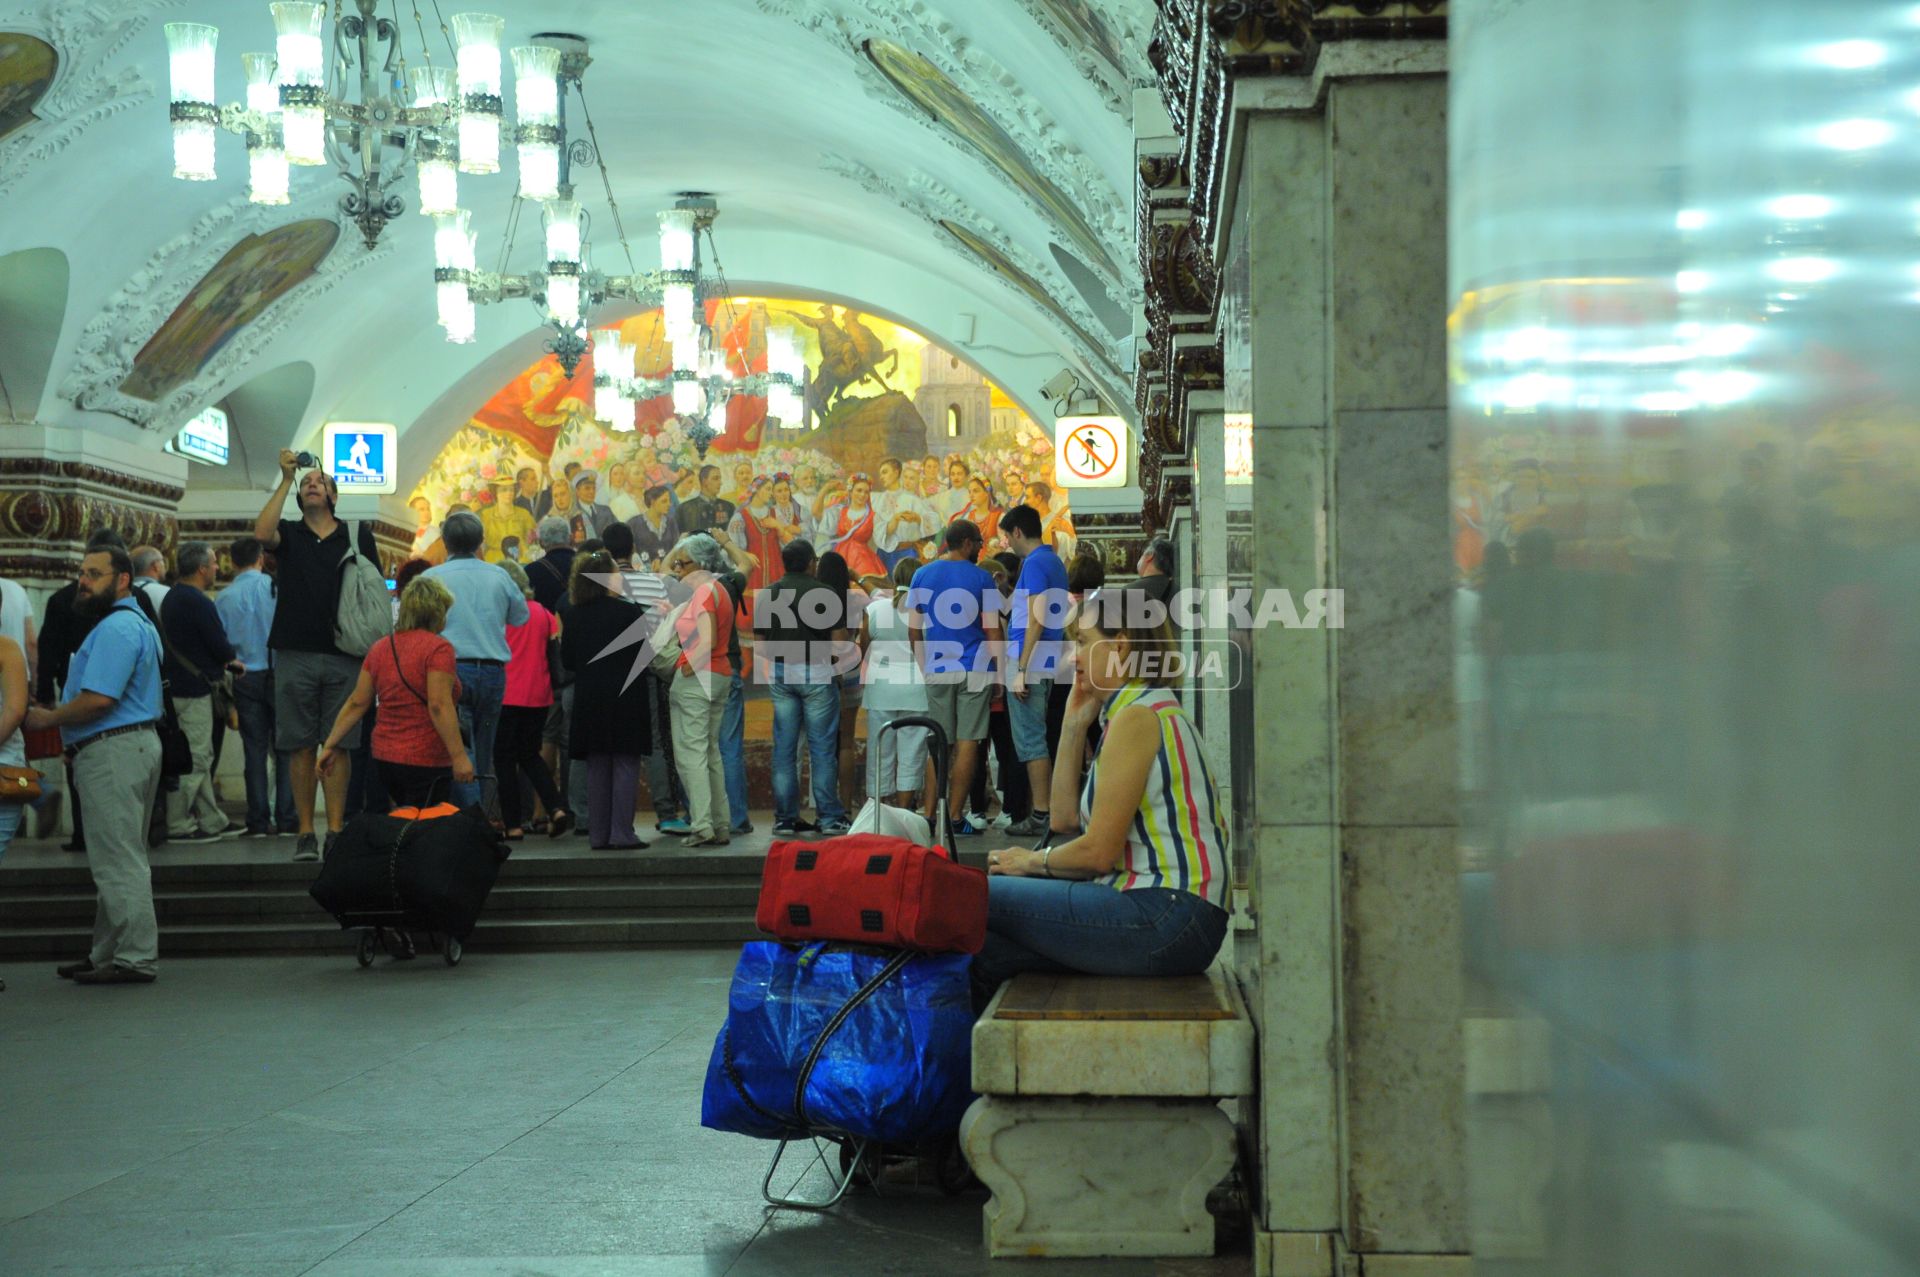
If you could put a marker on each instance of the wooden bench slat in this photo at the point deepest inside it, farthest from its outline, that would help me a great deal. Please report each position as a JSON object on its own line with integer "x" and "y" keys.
{"x": 1080, "y": 997}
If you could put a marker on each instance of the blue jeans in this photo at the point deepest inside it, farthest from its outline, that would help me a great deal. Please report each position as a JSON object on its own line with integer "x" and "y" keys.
{"x": 482, "y": 688}
{"x": 253, "y": 697}
{"x": 733, "y": 751}
{"x": 817, "y": 706}
{"x": 1044, "y": 924}
{"x": 10, "y": 814}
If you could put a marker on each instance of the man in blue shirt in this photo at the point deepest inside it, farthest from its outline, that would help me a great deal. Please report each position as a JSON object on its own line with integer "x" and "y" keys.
{"x": 246, "y": 613}
{"x": 112, "y": 704}
{"x": 953, "y": 611}
{"x": 1035, "y": 629}
{"x": 485, "y": 603}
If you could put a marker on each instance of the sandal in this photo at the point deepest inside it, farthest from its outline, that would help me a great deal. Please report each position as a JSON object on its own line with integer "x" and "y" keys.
{"x": 561, "y": 823}
{"x": 515, "y": 835}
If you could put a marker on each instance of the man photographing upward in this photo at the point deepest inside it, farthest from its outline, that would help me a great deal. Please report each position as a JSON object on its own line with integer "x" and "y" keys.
{"x": 312, "y": 677}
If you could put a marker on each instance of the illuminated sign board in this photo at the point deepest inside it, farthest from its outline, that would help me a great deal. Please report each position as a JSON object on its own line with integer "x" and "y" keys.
{"x": 203, "y": 439}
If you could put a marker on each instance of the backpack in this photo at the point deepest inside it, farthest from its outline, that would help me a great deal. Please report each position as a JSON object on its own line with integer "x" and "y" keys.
{"x": 176, "y": 751}
{"x": 365, "y": 612}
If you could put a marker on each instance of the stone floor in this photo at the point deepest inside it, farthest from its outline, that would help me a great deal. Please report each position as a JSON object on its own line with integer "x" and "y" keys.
{"x": 521, "y": 1114}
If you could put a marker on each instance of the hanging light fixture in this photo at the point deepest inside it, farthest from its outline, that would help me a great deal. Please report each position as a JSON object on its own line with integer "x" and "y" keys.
{"x": 196, "y": 119}
{"x": 268, "y": 181}
{"x": 432, "y": 89}
{"x": 613, "y": 366}
{"x": 290, "y": 118}
{"x": 478, "y": 59}
{"x": 536, "y": 134}
{"x": 453, "y": 269}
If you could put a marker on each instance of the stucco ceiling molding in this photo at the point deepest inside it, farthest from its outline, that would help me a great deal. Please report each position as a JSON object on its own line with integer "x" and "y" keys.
{"x": 112, "y": 339}
{"x": 1132, "y": 29}
{"x": 923, "y": 30}
{"x": 927, "y": 198}
{"x": 85, "y": 91}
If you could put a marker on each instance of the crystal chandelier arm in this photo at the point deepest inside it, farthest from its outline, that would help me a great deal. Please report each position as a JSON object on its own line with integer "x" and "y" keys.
{"x": 487, "y": 286}
{"x": 645, "y": 287}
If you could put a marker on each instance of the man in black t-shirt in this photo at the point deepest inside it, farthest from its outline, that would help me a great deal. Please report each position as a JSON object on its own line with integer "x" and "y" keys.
{"x": 312, "y": 678}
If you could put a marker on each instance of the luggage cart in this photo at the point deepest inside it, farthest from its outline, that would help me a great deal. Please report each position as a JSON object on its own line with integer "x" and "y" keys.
{"x": 854, "y": 1158}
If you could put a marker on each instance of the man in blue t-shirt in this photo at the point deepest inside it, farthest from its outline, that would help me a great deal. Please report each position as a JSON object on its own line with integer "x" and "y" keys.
{"x": 953, "y": 615}
{"x": 113, "y": 701}
{"x": 1035, "y": 627}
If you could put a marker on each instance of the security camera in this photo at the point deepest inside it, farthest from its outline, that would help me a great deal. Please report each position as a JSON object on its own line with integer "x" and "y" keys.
{"x": 1063, "y": 386}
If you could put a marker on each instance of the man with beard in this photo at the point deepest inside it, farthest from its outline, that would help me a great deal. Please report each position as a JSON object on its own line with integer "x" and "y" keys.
{"x": 312, "y": 678}
{"x": 62, "y": 630}
{"x": 107, "y": 719}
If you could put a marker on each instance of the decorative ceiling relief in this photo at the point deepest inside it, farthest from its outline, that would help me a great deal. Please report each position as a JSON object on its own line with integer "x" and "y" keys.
{"x": 39, "y": 119}
{"x": 1108, "y": 43}
{"x": 945, "y": 210}
{"x": 908, "y": 54}
{"x": 205, "y": 304}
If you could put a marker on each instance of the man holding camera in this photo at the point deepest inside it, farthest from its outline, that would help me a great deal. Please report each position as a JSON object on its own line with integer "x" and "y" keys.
{"x": 312, "y": 677}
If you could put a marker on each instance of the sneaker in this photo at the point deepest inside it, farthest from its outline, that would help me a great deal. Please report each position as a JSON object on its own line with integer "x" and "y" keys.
{"x": 967, "y": 829}
{"x": 307, "y": 848}
{"x": 114, "y": 974}
{"x": 744, "y": 827}
{"x": 72, "y": 969}
{"x": 676, "y": 826}
{"x": 805, "y": 827}
{"x": 231, "y": 831}
{"x": 1033, "y": 826}
{"x": 258, "y": 833}
{"x": 834, "y": 828}
{"x": 326, "y": 848}
{"x": 194, "y": 835}
{"x": 785, "y": 828}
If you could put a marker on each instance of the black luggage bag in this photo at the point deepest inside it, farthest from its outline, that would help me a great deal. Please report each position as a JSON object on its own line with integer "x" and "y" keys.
{"x": 406, "y": 872}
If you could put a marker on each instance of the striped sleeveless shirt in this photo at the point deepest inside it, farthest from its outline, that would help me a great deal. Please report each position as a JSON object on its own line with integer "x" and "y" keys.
{"x": 1178, "y": 838}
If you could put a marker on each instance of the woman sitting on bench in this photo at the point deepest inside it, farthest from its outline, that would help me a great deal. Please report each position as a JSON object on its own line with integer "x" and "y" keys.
{"x": 1140, "y": 890}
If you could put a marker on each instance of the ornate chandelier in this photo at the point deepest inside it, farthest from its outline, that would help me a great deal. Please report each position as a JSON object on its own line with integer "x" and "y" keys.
{"x": 298, "y": 112}
{"x": 700, "y": 380}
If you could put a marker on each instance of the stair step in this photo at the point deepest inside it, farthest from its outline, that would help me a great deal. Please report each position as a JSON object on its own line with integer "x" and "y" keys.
{"x": 670, "y": 863}
{"x": 608, "y": 930}
{"x": 175, "y": 906}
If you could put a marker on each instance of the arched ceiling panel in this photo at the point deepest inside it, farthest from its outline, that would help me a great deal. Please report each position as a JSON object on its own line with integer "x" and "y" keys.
{"x": 33, "y": 306}
{"x": 830, "y": 180}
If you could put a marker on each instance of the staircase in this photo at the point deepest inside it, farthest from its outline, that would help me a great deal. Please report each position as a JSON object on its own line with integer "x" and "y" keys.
{"x": 251, "y": 898}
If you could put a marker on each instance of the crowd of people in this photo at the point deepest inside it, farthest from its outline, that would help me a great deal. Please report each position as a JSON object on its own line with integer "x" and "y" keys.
{"x": 566, "y": 686}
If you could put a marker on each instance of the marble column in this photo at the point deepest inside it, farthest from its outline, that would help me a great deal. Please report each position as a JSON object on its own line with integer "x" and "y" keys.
{"x": 1338, "y": 229}
{"x": 1207, "y": 573}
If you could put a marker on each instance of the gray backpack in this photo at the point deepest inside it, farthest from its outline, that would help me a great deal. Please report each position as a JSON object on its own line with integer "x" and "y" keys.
{"x": 365, "y": 614}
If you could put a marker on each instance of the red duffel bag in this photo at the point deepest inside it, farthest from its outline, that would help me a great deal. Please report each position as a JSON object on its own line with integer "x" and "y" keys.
{"x": 873, "y": 889}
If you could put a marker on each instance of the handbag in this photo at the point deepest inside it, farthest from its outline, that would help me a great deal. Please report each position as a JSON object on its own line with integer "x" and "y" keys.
{"x": 872, "y": 889}
{"x": 42, "y": 742}
{"x": 666, "y": 644}
{"x": 19, "y": 785}
{"x": 176, "y": 751}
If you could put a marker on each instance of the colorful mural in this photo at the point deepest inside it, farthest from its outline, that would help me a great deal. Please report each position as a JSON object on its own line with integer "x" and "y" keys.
{"x": 930, "y": 89}
{"x": 897, "y": 437}
{"x": 1084, "y": 23}
{"x": 254, "y": 274}
{"x": 27, "y": 66}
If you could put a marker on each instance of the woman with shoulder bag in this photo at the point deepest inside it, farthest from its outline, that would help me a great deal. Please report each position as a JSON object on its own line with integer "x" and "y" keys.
{"x": 612, "y": 732}
{"x": 416, "y": 738}
{"x": 531, "y": 649}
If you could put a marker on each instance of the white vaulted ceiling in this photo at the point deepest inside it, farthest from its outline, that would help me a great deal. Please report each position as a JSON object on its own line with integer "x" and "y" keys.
{"x": 830, "y": 180}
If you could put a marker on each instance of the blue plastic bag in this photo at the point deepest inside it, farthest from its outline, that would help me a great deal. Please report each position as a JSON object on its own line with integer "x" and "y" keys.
{"x": 897, "y": 1070}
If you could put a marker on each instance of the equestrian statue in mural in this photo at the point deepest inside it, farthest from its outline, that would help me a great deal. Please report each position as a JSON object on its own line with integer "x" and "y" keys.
{"x": 851, "y": 354}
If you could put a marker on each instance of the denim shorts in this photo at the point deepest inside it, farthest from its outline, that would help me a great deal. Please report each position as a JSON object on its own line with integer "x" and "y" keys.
{"x": 1027, "y": 716}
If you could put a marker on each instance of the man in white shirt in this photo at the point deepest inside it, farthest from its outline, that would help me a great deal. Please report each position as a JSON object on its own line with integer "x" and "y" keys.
{"x": 150, "y": 574}
{"x": 904, "y": 519}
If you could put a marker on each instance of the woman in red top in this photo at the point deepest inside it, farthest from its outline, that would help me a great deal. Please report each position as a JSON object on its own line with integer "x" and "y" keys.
{"x": 700, "y": 687}
{"x": 416, "y": 738}
{"x": 523, "y": 715}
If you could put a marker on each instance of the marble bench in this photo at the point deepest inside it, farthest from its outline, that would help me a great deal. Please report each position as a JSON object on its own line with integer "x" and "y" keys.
{"x": 1098, "y": 1127}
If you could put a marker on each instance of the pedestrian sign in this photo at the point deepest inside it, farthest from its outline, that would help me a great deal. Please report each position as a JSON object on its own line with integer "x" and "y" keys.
{"x": 1090, "y": 452}
{"x": 361, "y": 456}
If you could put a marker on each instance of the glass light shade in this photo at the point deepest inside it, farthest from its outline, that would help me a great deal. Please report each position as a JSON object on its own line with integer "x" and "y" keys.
{"x": 536, "y": 85}
{"x": 479, "y": 142}
{"x": 193, "y": 150}
{"x": 612, "y": 356}
{"x": 305, "y": 131}
{"x": 676, "y": 239}
{"x": 539, "y": 170}
{"x": 462, "y": 323}
{"x": 451, "y": 298}
{"x": 439, "y": 187}
{"x": 190, "y": 60}
{"x": 296, "y": 24}
{"x": 267, "y": 175}
{"x": 784, "y": 402}
{"x": 563, "y": 300}
{"x": 713, "y": 364}
{"x": 263, "y": 86}
{"x": 717, "y": 416}
{"x": 783, "y": 353}
{"x": 452, "y": 240}
{"x": 563, "y": 222}
{"x": 477, "y": 36}
{"x": 686, "y": 352}
{"x": 430, "y": 86}
{"x": 608, "y": 405}
{"x": 689, "y": 399}
{"x": 676, "y": 313}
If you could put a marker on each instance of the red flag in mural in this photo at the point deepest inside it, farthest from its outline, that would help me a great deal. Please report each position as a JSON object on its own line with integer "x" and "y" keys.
{"x": 745, "y": 344}
{"x": 533, "y": 406}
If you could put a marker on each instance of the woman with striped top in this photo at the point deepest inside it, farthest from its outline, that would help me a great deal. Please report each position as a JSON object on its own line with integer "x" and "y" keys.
{"x": 1140, "y": 890}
